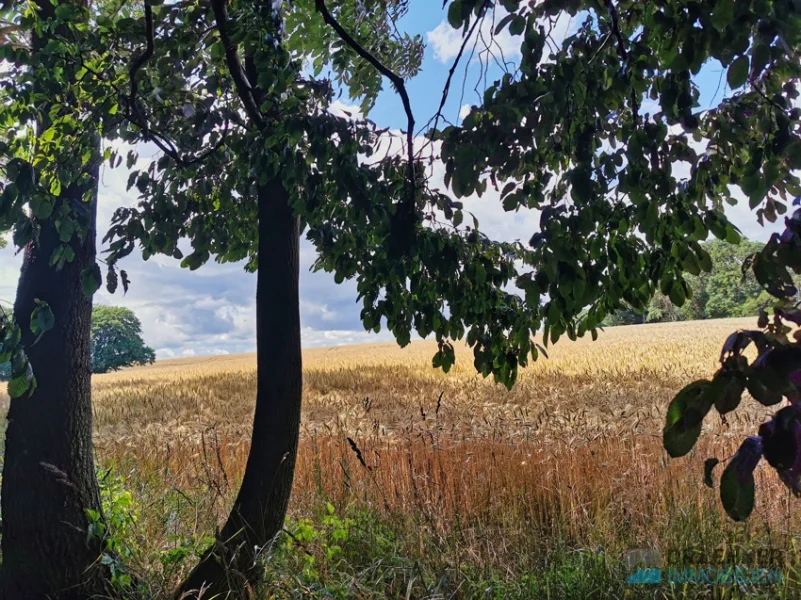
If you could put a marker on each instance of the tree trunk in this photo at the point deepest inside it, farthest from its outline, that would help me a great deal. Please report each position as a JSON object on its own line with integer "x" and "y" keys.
{"x": 49, "y": 472}
{"x": 49, "y": 478}
{"x": 228, "y": 568}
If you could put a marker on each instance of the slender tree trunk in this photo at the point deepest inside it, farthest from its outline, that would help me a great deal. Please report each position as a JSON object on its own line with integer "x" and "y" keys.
{"x": 49, "y": 471}
{"x": 260, "y": 507}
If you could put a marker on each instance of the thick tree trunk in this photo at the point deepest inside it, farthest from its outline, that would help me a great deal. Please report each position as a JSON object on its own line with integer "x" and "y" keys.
{"x": 258, "y": 513}
{"x": 49, "y": 478}
{"x": 49, "y": 471}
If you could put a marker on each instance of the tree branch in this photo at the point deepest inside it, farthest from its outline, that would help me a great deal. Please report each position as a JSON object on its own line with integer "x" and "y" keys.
{"x": 396, "y": 80}
{"x": 621, "y": 44}
{"x": 452, "y": 70}
{"x": 243, "y": 87}
{"x": 134, "y": 115}
{"x": 137, "y": 64}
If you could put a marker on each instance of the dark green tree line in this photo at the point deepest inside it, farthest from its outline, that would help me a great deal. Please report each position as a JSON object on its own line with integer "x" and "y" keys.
{"x": 727, "y": 291}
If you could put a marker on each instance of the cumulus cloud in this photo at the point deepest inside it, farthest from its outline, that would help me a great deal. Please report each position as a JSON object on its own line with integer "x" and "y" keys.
{"x": 212, "y": 310}
{"x": 446, "y": 41}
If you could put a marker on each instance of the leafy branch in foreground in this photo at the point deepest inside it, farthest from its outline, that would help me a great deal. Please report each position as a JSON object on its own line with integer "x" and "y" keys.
{"x": 771, "y": 378}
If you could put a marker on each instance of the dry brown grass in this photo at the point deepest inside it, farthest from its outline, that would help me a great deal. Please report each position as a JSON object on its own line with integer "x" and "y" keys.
{"x": 469, "y": 471}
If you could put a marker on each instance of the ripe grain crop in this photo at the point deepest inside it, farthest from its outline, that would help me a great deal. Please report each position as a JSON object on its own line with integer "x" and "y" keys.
{"x": 468, "y": 481}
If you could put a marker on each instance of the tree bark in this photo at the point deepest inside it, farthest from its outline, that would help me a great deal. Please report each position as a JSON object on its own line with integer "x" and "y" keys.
{"x": 229, "y": 568}
{"x": 49, "y": 472}
{"x": 49, "y": 478}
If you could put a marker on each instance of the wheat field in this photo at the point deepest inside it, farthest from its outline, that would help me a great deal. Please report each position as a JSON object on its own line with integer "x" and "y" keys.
{"x": 462, "y": 481}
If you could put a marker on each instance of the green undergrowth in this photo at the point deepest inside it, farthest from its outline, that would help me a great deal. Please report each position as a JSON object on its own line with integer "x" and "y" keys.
{"x": 358, "y": 551}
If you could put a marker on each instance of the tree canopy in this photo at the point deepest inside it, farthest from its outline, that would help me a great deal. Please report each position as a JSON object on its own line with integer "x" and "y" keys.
{"x": 116, "y": 341}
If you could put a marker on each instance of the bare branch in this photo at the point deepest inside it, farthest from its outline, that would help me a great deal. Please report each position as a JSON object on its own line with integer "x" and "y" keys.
{"x": 621, "y": 44}
{"x": 452, "y": 70}
{"x": 137, "y": 64}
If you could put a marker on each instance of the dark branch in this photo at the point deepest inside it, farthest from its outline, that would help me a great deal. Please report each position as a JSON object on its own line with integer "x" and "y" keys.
{"x": 396, "y": 80}
{"x": 446, "y": 90}
{"x": 137, "y": 64}
{"x": 243, "y": 87}
{"x": 134, "y": 115}
{"x": 621, "y": 44}
{"x": 621, "y": 50}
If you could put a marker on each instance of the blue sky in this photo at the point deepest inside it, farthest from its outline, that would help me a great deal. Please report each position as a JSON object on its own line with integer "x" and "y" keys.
{"x": 211, "y": 311}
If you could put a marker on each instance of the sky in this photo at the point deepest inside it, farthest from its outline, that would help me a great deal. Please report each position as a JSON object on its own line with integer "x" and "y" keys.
{"x": 212, "y": 310}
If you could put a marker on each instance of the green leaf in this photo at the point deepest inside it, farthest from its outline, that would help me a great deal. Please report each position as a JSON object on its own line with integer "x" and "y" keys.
{"x": 691, "y": 264}
{"x": 41, "y": 207}
{"x": 503, "y": 23}
{"x": 518, "y": 25}
{"x": 732, "y": 235}
{"x": 759, "y": 60}
{"x": 738, "y": 72}
{"x": 455, "y": 14}
{"x": 198, "y": 258}
{"x": 65, "y": 12}
{"x": 18, "y": 386}
{"x": 705, "y": 260}
{"x": 66, "y": 230}
{"x": 737, "y": 481}
{"x": 723, "y": 14}
{"x": 726, "y": 391}
{"x": 45, "y": 318}
{"x": 42, "y": 319}
{"x": 91, "y": 280}
{"x": 685, "y": 416}
{"x": 677, "y": 294}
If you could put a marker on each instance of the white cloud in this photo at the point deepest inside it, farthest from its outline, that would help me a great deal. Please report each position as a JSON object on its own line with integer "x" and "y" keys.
{"x": 348, "y": 111}
{"x": 212, "y": 310}
{"x": 209, "y": 311}
{"x": 446, "y": 41}
{"x": 465, "y": 110}
{"x": 312, "y": 338}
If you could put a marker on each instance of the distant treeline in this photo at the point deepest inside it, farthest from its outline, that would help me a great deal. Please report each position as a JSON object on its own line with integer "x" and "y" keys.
{"x": 116, "y": 341}
{"x": 722, "y": 293}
